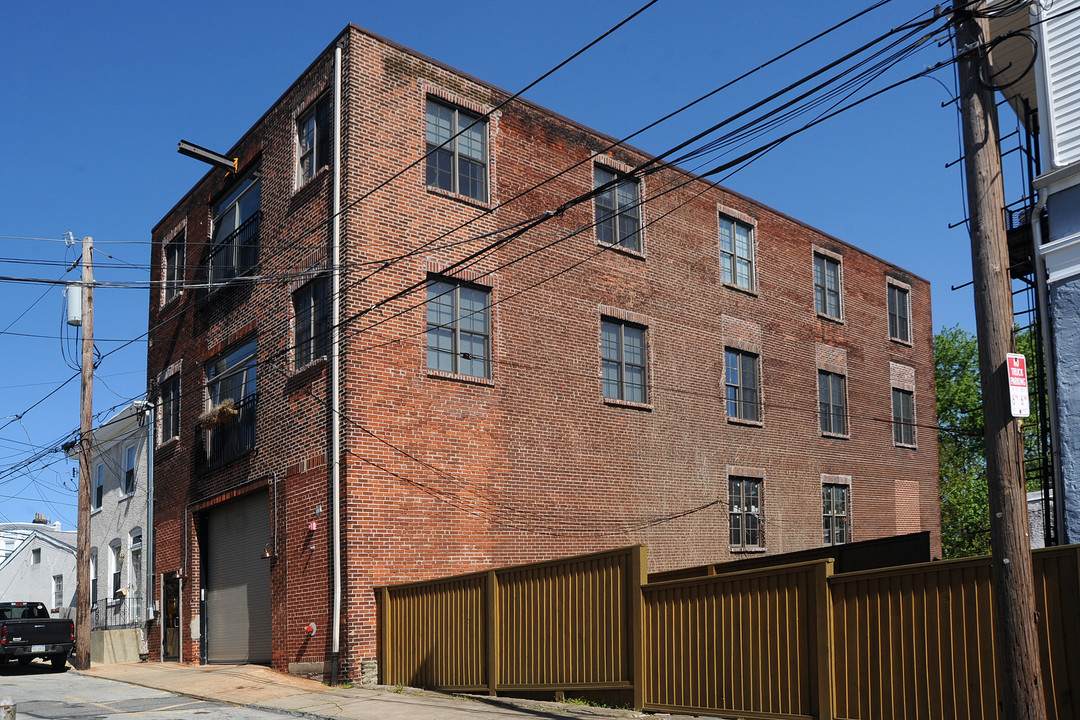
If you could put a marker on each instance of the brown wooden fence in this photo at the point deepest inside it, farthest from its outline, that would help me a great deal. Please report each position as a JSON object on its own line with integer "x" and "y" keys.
{"x": 794, "y": 641}
{"x": 561, "y": 625}
{"x": 746, "y": 643}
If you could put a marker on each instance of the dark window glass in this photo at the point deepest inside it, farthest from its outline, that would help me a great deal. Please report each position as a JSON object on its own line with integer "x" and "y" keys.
{"x": 903, "y": 409}
{"x": 899, "y": 327}
{"x": 314, "y": 140}
{"x": 741, "y": 385}
{"x": 736, "y": 253}
{"x": 832, "y": 403}
{"x": 618, "y": 210}
{"x": 622, "y": 359}
{"x": 827, "y": 285}
{"x": 834, "y": 513}
{"x": 312, "y": 322}
{"x": 458, "y": 328}
{"x": 456, "y": 151}
{"x": 744, "y": 512}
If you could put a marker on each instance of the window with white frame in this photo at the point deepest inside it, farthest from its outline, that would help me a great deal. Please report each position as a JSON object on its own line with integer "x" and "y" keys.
{"x": 899, "y": 313}
{"x": 116, "y": 556}
{"x": 235, "y": 244}
{"x": 623, "y": 360}
{"x": 35, "y": 556}
{"x": 58, "y": 591}
{"x": 736, "y": 253}
{"x": 741, "y": 385}
{"x": 827, "y": 286}
{"x": 128, "y": 480}
{"x": 618, "y": 209}
{"x": 834, "y": 513}
{"x": 903, "y": 409}
{"x": 93, "y": 578}
{"x": 744, "y": 512}
{"x": 314, "y": 139}
{"x": 170, "y": 407}
{"x": 174, "y": 266}
{"x": 99, "y": 486}
{"x": 457, "y": 155}
{"x": 458, "y": 327}
{"x": 311, "y": 321}
{"x": 832, "y": 402}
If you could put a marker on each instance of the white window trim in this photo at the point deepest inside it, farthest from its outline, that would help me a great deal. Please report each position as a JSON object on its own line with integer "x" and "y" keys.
{"x": 839, "y": 259}
{"x": 723, "y": 211}
{"x": 893, "y": 282}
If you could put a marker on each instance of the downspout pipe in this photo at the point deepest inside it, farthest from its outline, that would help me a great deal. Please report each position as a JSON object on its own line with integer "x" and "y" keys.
{"x": 1043, "y": 302}
{"x": 335, "y": 379}
{"x": 149, "y": 512}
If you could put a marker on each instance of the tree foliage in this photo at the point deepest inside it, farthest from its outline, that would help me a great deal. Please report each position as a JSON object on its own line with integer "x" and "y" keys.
{"x": 965, "y": 506}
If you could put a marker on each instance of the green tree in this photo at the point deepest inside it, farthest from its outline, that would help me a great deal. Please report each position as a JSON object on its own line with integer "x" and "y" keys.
{"x": 965, "y": 507}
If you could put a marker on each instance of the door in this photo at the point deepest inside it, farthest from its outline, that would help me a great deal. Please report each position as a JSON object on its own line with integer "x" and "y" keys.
{"x": 170, "y": 641}
{"x": 237, "y": 581}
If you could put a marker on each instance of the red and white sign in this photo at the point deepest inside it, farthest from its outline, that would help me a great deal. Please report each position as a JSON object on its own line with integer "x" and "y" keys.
{"x": 1018, "y": 386}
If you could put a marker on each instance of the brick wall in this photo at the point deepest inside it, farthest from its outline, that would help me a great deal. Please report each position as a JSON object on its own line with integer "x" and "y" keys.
{"x": 445, "y": 474}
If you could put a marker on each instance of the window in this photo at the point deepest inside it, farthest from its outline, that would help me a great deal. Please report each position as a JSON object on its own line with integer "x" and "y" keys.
{"x": 99, "y": 486}
{"x": 618, "y": 210}
{"x": 115, "y": 556}
{"x": 232, "y": 376}
{"x": 458, "y": 328}
{"x": 456, "y": 151}
{"x": 235, "y": 248}
{"x": 622, "y": 359}
{"x": 35, "y": 556}
{"x": 229, "y": 420}
{"x": 129, "y": 470}
{"x": 744, "y": 512}
{"x": 903, "y": 416}
{"x": 741, "y": 385}
{"x": 58, "y": 591}
{"x": 312, "y": 323}
{"x": 314, "y": 142}
{"x": 834, "y": 513}
{"x": 93, "y": 578}
{"x": 736, "y": 253}
{"x": 174, "y": 267}
{"x": 899, "y": 312}
{"x": 170, "y": 408}
{"x": 827, "y": 285}
{"x": 832, "y": 402}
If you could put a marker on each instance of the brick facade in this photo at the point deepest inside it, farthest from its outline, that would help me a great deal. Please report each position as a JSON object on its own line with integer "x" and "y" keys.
{"x": 445, "y": 473}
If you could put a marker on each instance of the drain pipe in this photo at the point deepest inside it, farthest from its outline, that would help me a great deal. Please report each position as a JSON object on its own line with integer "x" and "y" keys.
{"x": 1043, "y": 303}
{"x": 335, "y": 375}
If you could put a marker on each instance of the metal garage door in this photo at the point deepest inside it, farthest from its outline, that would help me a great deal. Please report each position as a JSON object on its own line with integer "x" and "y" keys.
{"x": 237, "y": 581}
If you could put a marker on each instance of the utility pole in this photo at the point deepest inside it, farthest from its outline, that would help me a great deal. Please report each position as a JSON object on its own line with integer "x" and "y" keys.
{"x": 81, "y": 661}
{"x": 1011, "y": 578}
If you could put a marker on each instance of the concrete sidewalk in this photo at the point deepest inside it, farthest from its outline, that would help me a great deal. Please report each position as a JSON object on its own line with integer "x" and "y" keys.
{"x": 260, "y": 687}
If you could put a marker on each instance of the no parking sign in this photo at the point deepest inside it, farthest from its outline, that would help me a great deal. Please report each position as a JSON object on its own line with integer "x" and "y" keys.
{"x": 1018, "y": 387}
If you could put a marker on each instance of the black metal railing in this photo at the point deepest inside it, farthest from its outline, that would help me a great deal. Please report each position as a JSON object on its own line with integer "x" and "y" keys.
{"x": 237, "y": 253}
{"x": 227, "y": 439}
{"x": 118, "y": 612}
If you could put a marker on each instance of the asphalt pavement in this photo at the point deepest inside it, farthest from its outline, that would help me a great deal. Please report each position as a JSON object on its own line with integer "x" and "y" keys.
{"x": 168, "y": 691}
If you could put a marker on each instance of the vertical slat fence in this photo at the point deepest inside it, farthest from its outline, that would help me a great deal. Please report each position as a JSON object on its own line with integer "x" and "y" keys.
{"x": 744, "y": 643}
{"x": 566, "y": 624}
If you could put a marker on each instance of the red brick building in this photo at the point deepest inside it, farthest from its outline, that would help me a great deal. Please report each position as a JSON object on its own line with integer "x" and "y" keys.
{"x": 544, "y": 351}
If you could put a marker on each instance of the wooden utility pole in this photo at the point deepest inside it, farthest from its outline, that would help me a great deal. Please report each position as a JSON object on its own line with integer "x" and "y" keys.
{"x": 81, "y": 660}
{"x": 1015, "y": 641}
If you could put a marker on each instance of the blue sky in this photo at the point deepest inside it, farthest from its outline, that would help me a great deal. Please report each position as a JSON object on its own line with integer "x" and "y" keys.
{"x": 97, "y": 95}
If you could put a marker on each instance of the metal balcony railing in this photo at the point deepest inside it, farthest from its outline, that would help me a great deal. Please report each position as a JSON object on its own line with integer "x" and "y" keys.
{"x": 237, "y": 253}
{"x": 120, "y": 612}
{"x": 225, "y": 442}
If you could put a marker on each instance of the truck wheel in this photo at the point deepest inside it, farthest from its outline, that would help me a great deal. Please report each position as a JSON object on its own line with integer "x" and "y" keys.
{"x": 59, "y": 662}
{"x": 24, "y": 660}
